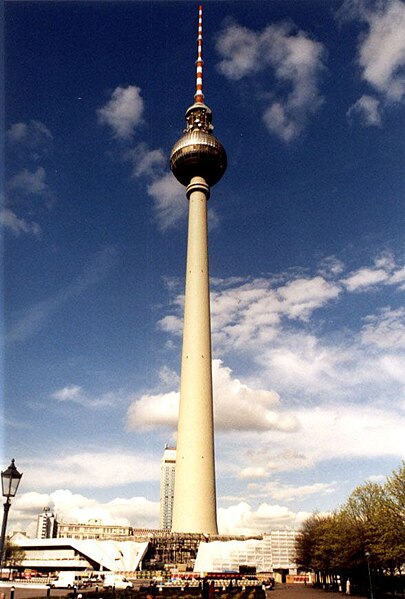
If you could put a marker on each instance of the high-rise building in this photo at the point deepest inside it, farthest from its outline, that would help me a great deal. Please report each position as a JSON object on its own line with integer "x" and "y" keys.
{"x": 167, "y": 477}
{"x": 198, "y": 161}
{"x": 46, "y": 524}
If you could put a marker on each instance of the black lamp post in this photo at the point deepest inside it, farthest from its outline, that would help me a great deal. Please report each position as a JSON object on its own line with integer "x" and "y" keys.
{"x": 10, "y": 479}
{"x": 367, "y": 554}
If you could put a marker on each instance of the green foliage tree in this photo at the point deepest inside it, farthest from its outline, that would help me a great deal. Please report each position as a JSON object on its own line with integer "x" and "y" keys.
{"x": 369, "y": 529}
{"x": 13, "y": 555}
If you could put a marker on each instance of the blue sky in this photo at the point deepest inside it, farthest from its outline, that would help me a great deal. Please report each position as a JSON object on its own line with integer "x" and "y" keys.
{"x": 306, "y": 252}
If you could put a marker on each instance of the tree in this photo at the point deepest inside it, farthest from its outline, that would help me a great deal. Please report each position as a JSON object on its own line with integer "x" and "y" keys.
{"x": 369, "y": 529}
{"x": 13, "y": 555}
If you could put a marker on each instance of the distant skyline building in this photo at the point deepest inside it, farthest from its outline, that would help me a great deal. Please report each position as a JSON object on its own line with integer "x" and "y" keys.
{"x": 46, "y": 524}
{"x": 198, "y": 161}
{"x": 167, "y": 478}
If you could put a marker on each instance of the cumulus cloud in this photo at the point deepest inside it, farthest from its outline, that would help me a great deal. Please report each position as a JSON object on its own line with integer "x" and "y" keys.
{"x": 381, "y": 53}
{"x": 31, "y": 140}
{"x": 251, "y": 313}
{"x": 236, "y": 407}
{"x": 328, "y": 432}
{"x": 169, "y": 201}
{"x": 9, "y": 220}
{"x": 29, "y": 182}
{"x": 73, "y": 507}
{"x": 269, "y": 321}
{"x": 123, "y": 112}
{"x": 367, "y": 109}
{"x": 282, "y": 492}
{"x": 76, "y": 394}
{"x": 238, "y": 518}
{"x": 385, "y": 329}
{"x": 350, "y": 430}
{"x": 95, "y": 469}
{"x": 28, "y": 187}
{"x": 296, "y": 62}
{"x": 243, "y": 519}
{"x": 383, "y": 271}
{"x": 146, "y": 162}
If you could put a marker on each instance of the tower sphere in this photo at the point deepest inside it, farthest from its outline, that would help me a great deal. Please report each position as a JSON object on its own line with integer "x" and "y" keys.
{"x": 198, "y": 153}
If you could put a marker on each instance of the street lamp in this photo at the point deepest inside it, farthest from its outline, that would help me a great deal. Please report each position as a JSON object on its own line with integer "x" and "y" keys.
{"x": 367, "y": 554}
{"x": 10, "y": 479}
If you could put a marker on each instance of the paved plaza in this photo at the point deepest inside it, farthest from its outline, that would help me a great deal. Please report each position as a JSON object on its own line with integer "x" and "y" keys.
{"x": 299, "y": 591}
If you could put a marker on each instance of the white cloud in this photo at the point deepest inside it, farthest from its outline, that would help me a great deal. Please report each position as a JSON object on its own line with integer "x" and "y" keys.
{"x": 73, "y": 507}
{"x": 270, "y": 323}
{"x": 282, "y": 492}
{"x": 169, "y": 200}
{"x": 237, "y": 407}
{"x": 384, "y": 271}
{"x": 242, "y": 519}
{"x": 302, "y": 296}
{"x": 149, "y": 163}
{"x": 367, "y": 109}
{"x": 140, "y": 512}
{"x": 123, "y": 113}
{"x": 95, "y": 469}
{"x": 169, "y": 377}
{"x": 29, "y": 182}
{"x": 31, "y": 140}
{"x": 385, "y": 330}
{"x": 328, "y": 432}
{"x": 381, "y": 50}
{"x": 69, "y": 393}
{"x": 9, "y": 220}
{"x": 253, "y": 472}
{"x": 398, "y": 278}
{"x": 350, "y": 430}
{"x": 171, "y": 324}
{"x": 250, "y": 314}
{"x": 151, "y": 411}
{"x": 364, "y": 278}
{"x": 239, "y": 48}
{"x": 296, "y": 61}
{"x": 330, "y": 267}
{"x": 28, "y": 187}
{"x": 75, "y": 394}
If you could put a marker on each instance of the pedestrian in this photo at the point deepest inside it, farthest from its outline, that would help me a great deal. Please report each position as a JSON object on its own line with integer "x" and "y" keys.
{"x": 205, "y": 589}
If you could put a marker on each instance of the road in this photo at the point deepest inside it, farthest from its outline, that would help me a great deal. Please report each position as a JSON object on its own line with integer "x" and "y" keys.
{"x": 281, "y": 591}
{"x": 26, "y": 590}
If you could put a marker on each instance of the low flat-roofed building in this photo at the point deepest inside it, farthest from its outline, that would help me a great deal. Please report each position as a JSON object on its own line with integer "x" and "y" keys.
{"x": 50, "y": 555}
{"x": 227, "y": 556}
{"x": 275, "y": 551}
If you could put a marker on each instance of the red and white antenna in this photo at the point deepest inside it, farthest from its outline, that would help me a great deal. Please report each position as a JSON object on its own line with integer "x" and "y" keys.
{"x": 199, "y": 96}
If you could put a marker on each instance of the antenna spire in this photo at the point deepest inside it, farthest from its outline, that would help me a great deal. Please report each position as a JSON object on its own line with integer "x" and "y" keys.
{"x": 199, "y": 96}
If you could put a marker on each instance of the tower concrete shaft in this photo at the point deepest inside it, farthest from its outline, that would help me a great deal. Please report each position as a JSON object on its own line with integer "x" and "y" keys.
{"x": 195, "y": 498}
{"x": 198, "y": 160}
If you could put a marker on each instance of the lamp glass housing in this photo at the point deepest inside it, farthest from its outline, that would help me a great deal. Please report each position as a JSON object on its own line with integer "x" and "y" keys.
{"x": 10, "y": 479}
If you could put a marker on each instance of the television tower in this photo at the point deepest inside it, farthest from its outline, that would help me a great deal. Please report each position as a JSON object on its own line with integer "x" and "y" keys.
{"x": 198, "y": 161}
